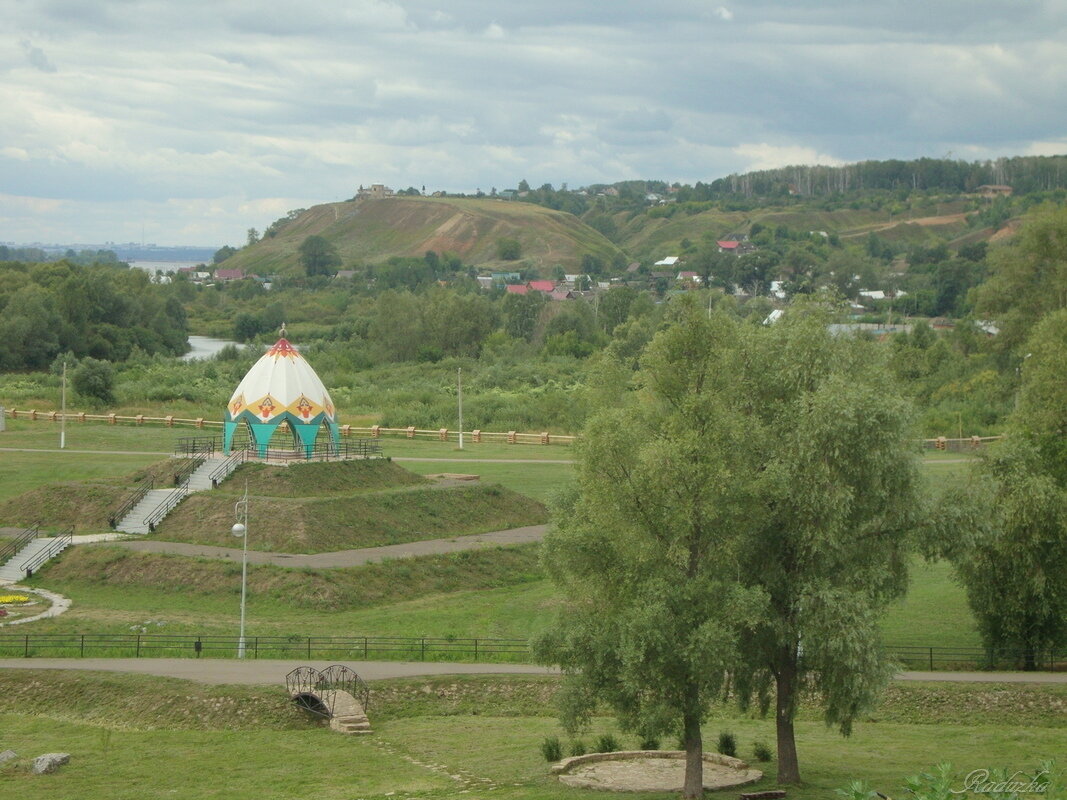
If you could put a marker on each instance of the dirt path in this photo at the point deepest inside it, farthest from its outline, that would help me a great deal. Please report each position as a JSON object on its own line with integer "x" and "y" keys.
{"x": 271, "y": 672}
{"x": 345, "y": 558}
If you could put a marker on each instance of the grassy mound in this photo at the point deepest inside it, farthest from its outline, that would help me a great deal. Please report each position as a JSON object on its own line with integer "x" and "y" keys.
{"x": 82, "y": 570}
{"x": 320, "y": 479}
{"x": 87, "y": 505}
{"x": 144, "y": 702}
{"x": 321, "y": 525}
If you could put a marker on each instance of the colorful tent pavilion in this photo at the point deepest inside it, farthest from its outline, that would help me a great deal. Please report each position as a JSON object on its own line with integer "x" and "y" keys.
{"x": 281, "y": 389}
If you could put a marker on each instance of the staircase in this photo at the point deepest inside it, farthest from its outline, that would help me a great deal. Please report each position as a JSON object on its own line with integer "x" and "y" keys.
{"x": 157, "y": 503}
{"x": 32, "y": 555}
{"x": 348, "y": 715}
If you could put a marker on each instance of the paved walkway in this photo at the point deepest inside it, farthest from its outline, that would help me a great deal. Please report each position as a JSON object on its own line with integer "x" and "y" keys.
{"x": 266, "y": 671}
{"x": 346, "y": 558}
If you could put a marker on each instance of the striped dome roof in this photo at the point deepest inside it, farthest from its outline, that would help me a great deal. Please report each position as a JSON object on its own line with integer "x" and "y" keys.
{"x": 282, "y": 381}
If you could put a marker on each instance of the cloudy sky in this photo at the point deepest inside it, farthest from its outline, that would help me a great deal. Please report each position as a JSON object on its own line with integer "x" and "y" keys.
{"x": 196, "y": 120}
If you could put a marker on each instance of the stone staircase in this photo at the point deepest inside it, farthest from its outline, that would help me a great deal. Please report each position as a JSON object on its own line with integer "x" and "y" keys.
{"x": 12, "y": 571}
{"x": 348, "y": 715}
{"x": 137, "y": 520}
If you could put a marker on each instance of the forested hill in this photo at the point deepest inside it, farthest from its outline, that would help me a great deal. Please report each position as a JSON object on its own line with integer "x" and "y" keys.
{"x": 1024, "y": 174}
{"x": 481, "y": 231}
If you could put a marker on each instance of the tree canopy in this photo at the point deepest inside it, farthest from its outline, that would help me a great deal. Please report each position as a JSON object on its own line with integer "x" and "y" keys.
{"x": 748, "y": 500}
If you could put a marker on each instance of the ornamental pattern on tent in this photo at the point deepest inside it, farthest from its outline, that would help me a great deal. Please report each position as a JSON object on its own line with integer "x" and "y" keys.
{"x": 280, "y": 388}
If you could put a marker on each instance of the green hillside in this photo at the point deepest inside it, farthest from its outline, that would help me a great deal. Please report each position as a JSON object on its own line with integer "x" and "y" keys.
{"x": 651, "y": 236}
{"x": 372, "y": 231}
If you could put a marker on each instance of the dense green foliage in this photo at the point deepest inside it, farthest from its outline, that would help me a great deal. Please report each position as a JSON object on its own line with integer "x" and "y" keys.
{"x": 721, "y": 525}
{"x": 105, "y": 312}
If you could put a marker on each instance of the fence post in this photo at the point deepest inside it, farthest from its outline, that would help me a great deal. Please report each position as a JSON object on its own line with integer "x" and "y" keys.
{"x": 81, "y": 649}
{"x": 365, "y": 651}
{"x": 255, "y": 647}
{"x": 138, "y": 645}
{"x": 475, "y": 649}
{"x": 309, "y": 648}
{"x": 931, "y": 659}
{"x": 26, "y": 648}
{"x": 423, "y": 648}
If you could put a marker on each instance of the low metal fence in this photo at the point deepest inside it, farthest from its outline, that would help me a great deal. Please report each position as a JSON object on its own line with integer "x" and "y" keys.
{"x": 427, "y": 648}
{"x": 149, "y": 645}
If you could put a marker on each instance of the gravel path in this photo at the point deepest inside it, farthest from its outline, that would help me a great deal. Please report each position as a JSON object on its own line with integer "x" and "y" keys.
{"x": 346, "y": 558}
{"x": 264, "y": 672}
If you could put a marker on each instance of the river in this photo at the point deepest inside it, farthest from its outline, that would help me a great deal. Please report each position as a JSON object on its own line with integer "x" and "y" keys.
{"x": 206, "y": 347}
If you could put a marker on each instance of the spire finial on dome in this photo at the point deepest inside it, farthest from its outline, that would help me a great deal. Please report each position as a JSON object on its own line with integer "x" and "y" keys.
{"x": 282, "y": 331}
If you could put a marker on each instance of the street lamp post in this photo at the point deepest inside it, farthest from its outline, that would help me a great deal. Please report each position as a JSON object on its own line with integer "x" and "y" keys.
{"x": 240, "y": 512}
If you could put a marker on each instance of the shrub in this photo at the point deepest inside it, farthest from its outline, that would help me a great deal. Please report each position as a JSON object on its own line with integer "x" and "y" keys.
{"x": 552, "y": 749}
{"x": 727, "y": 744}
{"x": 606, "y": 744}
{"x": 577, "y": 748}
{"x": 649, "y": 743}
{"x": 95, "y": 380}
{"x": 761, "y": 751}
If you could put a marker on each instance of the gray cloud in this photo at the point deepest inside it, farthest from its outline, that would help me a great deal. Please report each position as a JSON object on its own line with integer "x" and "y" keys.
{"x": 36, "y": 57}
{"x": 225, "y": 110}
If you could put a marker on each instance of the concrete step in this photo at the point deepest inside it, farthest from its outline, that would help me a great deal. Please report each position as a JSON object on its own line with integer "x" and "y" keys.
{"x": 12, "y": 571}
{"x": 134, "y": 522}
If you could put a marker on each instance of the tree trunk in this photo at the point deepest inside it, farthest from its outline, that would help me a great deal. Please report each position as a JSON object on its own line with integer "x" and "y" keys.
{"x": 788, "y": 766}
{"x": 694, "y": 746}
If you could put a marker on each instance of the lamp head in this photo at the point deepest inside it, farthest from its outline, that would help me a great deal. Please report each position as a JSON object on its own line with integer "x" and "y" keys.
{"x": 238, "y": 530}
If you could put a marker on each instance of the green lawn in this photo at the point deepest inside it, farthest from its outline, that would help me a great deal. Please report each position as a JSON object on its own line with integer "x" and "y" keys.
{"x": 22, "y": 472}
{"x": 539, "y": 481}
{"x": 933, "y": 613}
{"x": 442, "y": 737}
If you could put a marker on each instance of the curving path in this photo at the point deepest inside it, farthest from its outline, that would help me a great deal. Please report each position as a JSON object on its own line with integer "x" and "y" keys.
{"x": 270, "y": 672}
{"x": 345, "y": 558}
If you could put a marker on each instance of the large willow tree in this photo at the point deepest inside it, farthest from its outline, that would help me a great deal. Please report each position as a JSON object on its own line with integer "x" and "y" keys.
{"x": 740, "y": 515}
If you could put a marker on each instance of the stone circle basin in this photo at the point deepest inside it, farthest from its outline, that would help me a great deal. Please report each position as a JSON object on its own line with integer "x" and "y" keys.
{"x": 650, "y": 771}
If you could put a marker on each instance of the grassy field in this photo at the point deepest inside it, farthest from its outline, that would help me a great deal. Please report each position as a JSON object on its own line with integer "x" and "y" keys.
{"x": 452, "y": 737}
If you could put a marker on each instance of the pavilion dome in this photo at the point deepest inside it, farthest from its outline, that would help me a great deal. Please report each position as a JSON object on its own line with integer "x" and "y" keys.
{"x": 280, "y": 387}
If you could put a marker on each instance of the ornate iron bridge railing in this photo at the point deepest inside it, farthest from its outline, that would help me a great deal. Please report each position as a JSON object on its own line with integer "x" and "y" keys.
{"x": 316, "y": 690}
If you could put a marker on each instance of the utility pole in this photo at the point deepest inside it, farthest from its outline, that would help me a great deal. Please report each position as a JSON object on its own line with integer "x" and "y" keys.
{"x": 459, "y": 394}
{"x": 63, "y": 412}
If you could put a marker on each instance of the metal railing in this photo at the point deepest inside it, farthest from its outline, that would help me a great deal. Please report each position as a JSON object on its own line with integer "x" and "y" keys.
{"x": 322, "y": 686}
{"x": 223, "y": 470}
{"x": 12, "y": 548}
{"x": 193, "y": 445}
{"x": 186, "y": 470}
{"x": 130, "y": 502}
{"x": 59, "y": 543}
{"x": 148, "y": 645}
{"x": 164, "y": 508}
{"x": 428, "y": 648}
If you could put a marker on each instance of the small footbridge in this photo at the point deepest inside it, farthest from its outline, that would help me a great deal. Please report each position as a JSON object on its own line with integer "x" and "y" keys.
{"x": 336, "y": 693}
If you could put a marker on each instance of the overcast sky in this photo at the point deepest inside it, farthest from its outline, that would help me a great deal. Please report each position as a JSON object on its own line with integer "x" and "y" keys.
{"x": 198, "y": 120}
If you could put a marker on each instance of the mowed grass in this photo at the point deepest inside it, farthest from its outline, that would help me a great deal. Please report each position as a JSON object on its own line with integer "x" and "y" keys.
{"x": 22, "y": 472}
{"x": 328, "y": 524}
{"x": 495, "y": 592}
{"x": 539, "y": 481}
{"x": 459, "y": 736}
{"x": 490, "y": 592}
{"x": 934, "y": 613}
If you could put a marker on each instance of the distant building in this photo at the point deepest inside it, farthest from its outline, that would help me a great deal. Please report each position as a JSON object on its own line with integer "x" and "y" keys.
{"x": 994, "y": 190}
{"x": 377, "y": 191}
{"x": 517, "y": 288}
{"x": 543, "y": 286}
{"x": 669, "y": 261}
{"x": 229, "y": 275}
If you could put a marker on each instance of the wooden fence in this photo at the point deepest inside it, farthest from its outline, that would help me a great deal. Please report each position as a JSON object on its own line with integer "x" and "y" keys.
{"x": 372, "y": 432}
{"x": 967, "y": 444}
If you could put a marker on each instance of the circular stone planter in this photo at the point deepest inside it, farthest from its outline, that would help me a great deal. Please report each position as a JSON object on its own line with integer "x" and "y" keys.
{"x": 650, "y": 771}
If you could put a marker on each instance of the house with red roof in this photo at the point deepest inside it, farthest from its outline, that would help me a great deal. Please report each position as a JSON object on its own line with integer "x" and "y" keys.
{"x": 516, "y": 288}
{"x": 229, "y": 274}
{"x": 542, "y": 286}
